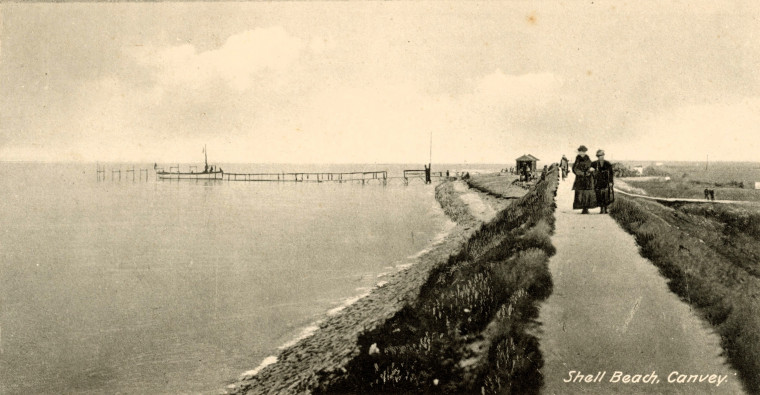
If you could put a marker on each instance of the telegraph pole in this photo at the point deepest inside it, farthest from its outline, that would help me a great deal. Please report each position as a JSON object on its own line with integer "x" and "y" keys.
{"x": 430, "y": 159}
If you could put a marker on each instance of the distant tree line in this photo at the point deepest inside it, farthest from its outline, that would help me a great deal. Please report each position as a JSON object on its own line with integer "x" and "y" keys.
{"x": 622, "y": 170}
{"x": 652, "y": 171}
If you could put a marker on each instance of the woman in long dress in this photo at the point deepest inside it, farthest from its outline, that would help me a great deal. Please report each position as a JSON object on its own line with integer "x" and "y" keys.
{"x": 585, "y": 197}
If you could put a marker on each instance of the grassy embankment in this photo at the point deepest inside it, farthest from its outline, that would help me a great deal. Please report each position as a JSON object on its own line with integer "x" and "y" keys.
{"x": 445, "y": 195}
{"x": 467, "y": 330}
{"x": 710, "y": 253}
{"x": 501, "y": 185}
{"x": 692, "y": 189}
{"x": 728, "y": 182}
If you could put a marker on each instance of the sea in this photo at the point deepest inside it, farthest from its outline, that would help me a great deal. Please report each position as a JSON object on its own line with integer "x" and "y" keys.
{"x": 116, "y": 282}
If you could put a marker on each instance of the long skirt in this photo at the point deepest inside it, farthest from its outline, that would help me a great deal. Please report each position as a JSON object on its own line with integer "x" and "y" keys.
{"x": 605, "y": 196}
{"x": 584, "y": 198}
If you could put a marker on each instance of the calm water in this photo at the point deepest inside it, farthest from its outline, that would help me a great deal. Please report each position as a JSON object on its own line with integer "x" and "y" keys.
{"x": 179, "y": 287}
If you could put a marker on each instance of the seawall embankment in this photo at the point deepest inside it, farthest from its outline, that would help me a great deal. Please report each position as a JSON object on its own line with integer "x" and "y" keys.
{"x": 449, "y": 320}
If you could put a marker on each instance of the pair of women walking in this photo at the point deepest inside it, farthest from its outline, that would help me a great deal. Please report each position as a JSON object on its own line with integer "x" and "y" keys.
{"x": 593, "y": 182}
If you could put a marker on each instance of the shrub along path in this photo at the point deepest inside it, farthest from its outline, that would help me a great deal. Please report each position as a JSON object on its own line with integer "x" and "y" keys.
{"x": 611, "y": 311}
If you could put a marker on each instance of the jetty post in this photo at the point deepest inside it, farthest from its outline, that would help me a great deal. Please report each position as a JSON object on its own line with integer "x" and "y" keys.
{"x": 100, "y": 171}
{"x": 130, "y": 170}
{"x": 363, "y": 177}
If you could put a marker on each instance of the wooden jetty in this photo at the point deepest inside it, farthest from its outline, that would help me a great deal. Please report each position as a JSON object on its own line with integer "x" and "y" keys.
{"x": 363, "y": 177}
{"x": 414, "y": 174}
{"x": 175, "y": 173}
{"x": 138, "y": 174}
{"x": 358, "y": 176}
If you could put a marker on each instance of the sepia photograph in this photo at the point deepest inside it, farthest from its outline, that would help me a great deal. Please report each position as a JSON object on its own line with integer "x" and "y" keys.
{"x": 380, "y": 197}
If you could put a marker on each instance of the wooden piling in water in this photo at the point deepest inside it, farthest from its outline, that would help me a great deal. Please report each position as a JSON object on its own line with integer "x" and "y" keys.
{"x": 319, "y": 177}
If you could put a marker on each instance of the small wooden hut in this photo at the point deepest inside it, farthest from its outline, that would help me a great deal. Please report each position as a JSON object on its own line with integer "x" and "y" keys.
{"x": 530, "y": 160}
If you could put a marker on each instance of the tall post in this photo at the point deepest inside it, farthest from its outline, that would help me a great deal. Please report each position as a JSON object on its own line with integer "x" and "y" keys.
{"x": 430, "y": 158}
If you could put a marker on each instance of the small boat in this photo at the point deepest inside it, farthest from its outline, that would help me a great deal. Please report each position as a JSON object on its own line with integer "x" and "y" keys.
{"x": 208, "y": 173}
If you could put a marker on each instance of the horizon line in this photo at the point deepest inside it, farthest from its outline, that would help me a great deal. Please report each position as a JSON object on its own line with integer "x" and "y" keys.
{"x": 354, "y": 163}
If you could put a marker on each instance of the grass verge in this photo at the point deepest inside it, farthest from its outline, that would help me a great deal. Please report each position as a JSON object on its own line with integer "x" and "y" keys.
{"x": 694, "y": 190}
{"x": 708, "y": 255}
{"x": 467, "y": 330}
{"x": 501, "y": 185}
{"x": 446, "y": 196}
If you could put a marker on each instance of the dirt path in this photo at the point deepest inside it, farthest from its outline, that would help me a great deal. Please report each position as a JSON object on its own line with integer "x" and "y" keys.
{"x": 479, "y": 208}
{"x": 611, "y": 311}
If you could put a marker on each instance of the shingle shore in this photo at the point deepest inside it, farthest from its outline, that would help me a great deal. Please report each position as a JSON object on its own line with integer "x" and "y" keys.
{"x": 335, "y": 343}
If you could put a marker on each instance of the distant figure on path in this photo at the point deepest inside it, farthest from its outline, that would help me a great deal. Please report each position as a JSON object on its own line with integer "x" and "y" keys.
{"x": 525, "y": 172}
{"x": 427, "y": 175}
{"x": 564, "y": 166}
{"x": 603, "y": 182}
{"x": 712, "y": 194}
{"x": 707, "y": 194}
{"x": 584, "y": 182}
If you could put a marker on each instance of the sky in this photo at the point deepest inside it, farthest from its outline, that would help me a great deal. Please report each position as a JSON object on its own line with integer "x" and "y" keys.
{"x": 377, "y": 82}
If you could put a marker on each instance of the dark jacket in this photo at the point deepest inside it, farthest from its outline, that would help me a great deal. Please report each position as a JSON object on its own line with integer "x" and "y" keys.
{"x": 603, "y": 174}
{"x": 584, "y": 180}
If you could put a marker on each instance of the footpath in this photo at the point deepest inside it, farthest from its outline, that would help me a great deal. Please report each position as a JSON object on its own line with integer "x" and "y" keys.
{"x": 481, "y": 206}
{"x": 612, "y": 326}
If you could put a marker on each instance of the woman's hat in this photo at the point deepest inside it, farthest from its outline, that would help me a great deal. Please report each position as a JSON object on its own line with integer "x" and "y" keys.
{"x": 582, "y": 148}
{"x": 600, "y": 152}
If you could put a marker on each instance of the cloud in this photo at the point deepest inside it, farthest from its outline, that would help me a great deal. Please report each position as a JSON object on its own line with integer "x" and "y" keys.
{"x": 379, "y": 121}
{"x": 237, "y": 62}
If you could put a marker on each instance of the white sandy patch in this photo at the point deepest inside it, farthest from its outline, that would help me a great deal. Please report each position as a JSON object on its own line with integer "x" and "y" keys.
{"x": 478, "y": 207}
{"x": 305, "y": 332}
{"x": 347, "y": 302}
{"x": 266, "y": 362}
{"x": 624, "y": 186}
